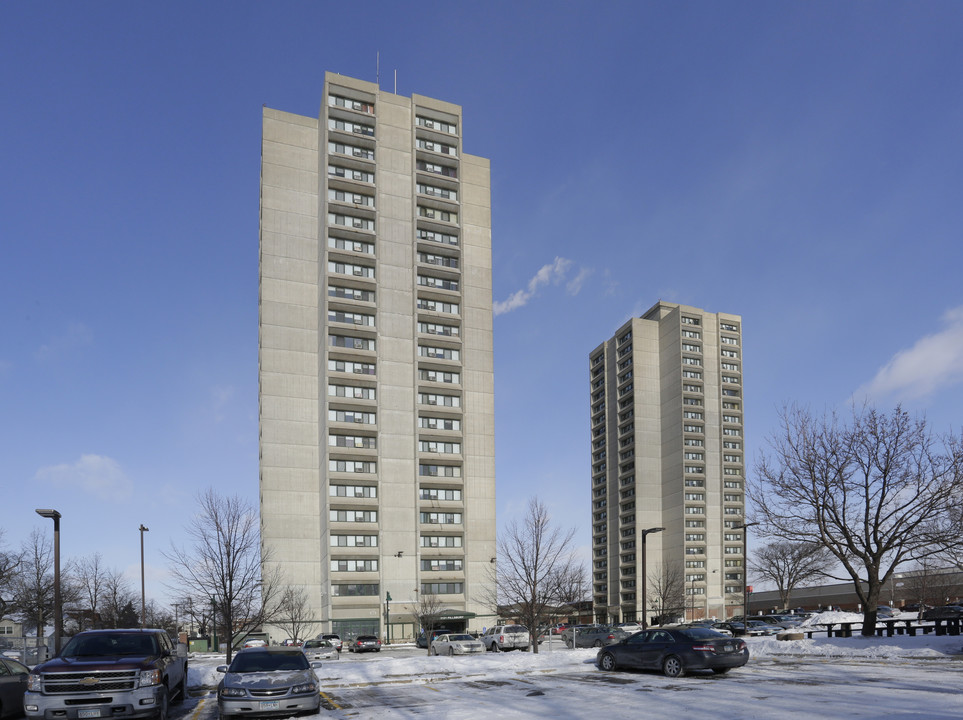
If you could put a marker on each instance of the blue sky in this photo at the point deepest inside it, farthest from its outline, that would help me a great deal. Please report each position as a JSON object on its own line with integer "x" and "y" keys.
{"x": 800, "y": 164}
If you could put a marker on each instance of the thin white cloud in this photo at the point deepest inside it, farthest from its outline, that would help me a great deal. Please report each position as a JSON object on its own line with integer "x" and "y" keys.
{"x": 553, "y": 273}
{"x": 574, "y": 286}
{"x": 934, "y": 362}
{"x": 75, "y": 337}
{"x": 96, "y": 475}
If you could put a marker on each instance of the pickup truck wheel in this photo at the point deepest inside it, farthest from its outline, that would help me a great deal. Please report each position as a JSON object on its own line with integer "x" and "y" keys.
{"x": 162, "y": 705}
{"x": 180, "y": 692}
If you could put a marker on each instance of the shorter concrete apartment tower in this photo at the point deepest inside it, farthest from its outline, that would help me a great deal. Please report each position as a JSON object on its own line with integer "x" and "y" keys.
{"x": 376, "y": 393}
{"x": 667, "y": 452}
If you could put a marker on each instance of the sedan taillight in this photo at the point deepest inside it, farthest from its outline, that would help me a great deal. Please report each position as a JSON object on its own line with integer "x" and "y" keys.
{"x": 704, "y": 648}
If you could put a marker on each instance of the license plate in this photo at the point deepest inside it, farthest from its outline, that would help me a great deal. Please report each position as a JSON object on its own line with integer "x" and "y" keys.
{"x": 89, "y": 713}
{"x": 728, "y": 648}
{"x": 270, "y": 704}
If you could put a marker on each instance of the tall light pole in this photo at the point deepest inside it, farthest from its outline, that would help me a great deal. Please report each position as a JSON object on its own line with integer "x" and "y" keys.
{"x": 645, "y": 610}
{"x": 58, "y": 610}
{"x": 745, "y": 568}
{"x": 143, "y": 596}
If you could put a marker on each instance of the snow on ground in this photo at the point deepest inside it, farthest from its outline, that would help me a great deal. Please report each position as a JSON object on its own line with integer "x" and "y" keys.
{"x": 897, "y": 678}
{"x": 202, "y": 667}
{"x": 422, "y": 668}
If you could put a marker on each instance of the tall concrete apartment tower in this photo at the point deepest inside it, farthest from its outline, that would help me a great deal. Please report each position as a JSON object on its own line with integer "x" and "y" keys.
{"x": 667, "y": 452}
{"x": 377, "y": 462}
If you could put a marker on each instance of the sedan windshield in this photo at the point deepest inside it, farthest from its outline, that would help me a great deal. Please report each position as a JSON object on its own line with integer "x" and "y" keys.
{"x": 268, "y": 662}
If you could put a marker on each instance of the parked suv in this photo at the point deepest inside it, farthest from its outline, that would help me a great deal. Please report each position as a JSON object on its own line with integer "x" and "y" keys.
{"x": 506, "y": 637}
{"x": 109, "y": 674}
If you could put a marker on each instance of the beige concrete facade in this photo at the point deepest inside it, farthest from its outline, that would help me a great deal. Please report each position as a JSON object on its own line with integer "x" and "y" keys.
{"x": 668, "y": 452}
{"x": 377, "y": 471}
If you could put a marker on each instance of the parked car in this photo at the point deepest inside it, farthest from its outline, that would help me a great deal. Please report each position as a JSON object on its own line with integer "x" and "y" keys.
{"x": 268, "y": 681}
{"x": 423, "y": 640}
{"x": 365, "y": 643}
{"x": 758, "y": 627}
{"x": 333, "y": 639}
{"x": 702, "y": 624}
{"x": 291, "y": 642}
{"x": 885, "y": 611}
{"x": 319, "y": 650}
{"x": 630, "y": 627}
{"x": 13, "y": 684}
{"x": 675, "y": 651}
{"x": 753, "y": 628}
{"x": 720, "y": 628}
{"x": 506, "y": 637}
{"x": 456, "y": 644}
{"x": 916, "y": 607}
{"x": 144, "y": 669}
{"x": 947, "y": 612}
{"x": 592, "y": 636}
{"x": 254, "y": 642}
{"x": 783, "y": 621}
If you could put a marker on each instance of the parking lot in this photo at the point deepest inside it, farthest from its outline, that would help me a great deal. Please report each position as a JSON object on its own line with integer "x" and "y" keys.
{"x": 405, "y": 683}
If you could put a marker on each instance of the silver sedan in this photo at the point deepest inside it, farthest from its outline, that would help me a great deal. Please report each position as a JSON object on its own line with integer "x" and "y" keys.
{"x": 456, "y": 645}
{"x": 268, "y": 681}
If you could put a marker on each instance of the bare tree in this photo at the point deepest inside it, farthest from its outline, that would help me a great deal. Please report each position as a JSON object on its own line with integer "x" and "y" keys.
{"x": 871, "y": 490}
{"x": 574, "y": 589}
{"x": 160, "y": 617}
{"x": 666, "y": 592}
{"x": 90, "y": 576}
{"x": 33, "y": 586}
{"x": 535, "y": 561}
{"x": 116, "y": 596}
{"x": 9, "y": 566}
{"x": 294, "y": 613}
{"x": 428, "y": 611}
{"x": 790, "y": 564}
{"x": 225, "y": 564}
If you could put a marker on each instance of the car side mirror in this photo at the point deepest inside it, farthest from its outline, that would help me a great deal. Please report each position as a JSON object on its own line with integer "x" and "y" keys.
{"x": 221, "y": 668}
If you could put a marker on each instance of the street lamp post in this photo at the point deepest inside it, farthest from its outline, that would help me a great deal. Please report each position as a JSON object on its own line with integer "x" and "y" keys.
{"x": 143, "y": 597}
{"x": 58, "y": 610}
{"x": 745, "y": 568}
{"x": 645, "y": 611}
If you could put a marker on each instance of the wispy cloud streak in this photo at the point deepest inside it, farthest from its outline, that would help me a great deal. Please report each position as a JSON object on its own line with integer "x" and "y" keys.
{"x": 934, "y": 362}
{"x": 552, "y": 274}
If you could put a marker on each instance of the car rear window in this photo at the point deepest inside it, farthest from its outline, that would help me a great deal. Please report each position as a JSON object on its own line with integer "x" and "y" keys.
{"x": 515, "y": 629}
{"x": 701, "y": 634}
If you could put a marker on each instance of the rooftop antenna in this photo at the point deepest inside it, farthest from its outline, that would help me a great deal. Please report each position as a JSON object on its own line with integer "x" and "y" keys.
{"x": 378, "y": 69}
{"x": 396, "y": 81}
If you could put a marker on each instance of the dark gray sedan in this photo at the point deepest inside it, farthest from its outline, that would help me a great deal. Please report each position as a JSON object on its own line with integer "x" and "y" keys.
{"x": 13, "y": 684}
{"x": 675, "y": 651}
